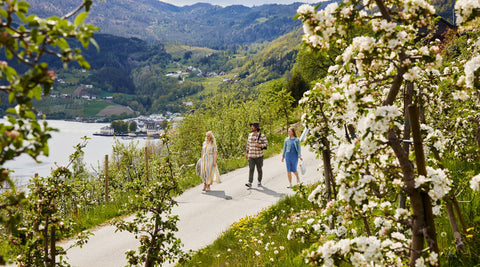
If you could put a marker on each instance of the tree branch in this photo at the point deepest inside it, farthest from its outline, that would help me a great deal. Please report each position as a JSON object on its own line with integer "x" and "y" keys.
{"x": 69, "y": 15}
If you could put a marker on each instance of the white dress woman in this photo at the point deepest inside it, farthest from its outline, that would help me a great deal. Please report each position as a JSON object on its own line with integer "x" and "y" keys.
{"x": 210, "y": 171}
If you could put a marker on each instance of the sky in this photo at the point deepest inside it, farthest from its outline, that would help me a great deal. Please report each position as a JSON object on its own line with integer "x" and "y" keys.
{"x": 248, "y": 3}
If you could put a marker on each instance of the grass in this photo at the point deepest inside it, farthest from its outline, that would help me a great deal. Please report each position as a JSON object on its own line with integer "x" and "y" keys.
{"x": 98, "y": 215}
{"x": 92, "y": 107}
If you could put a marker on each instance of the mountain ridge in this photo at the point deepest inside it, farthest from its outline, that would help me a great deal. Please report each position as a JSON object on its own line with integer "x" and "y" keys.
{"x": 200, "y": 24}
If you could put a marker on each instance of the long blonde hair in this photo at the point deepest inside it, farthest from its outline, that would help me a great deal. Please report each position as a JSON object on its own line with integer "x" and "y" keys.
{"x": 212, "y": 138}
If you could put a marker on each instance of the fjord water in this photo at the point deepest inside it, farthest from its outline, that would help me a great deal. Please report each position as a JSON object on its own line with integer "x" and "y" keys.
{"x": 62, "y": 145}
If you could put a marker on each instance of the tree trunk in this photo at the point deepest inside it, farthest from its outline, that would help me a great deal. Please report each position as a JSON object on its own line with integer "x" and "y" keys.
{"x": 418, "y": 221}
{"x": 328, "y": 173}
{"x": 53, "y": 251}
{"x": 423, "y": 212}
{"x": 459, "y": 212}
{"x": 407, "y": 100}
{"x": 45, "y": 242}
{"x": 327, "y": 166}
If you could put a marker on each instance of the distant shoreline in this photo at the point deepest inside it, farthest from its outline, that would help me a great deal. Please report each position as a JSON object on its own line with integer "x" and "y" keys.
{"x": 155, "y": 135}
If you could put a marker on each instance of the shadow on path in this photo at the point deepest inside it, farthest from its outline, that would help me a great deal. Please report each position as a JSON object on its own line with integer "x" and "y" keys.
{"x": 218, "y": 193}
{"x": 266, "y": 190}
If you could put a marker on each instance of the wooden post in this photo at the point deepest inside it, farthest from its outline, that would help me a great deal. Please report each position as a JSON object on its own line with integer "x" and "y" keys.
{"x": 106, "y": 178}
{"x": 146, "y": 163}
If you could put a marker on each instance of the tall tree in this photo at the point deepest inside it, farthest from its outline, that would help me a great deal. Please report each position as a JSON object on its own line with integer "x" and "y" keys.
{"x": 296, "y": 86}
{"x": 362, "y": 97}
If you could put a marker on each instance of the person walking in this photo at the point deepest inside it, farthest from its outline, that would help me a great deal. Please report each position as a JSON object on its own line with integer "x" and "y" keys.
{"x": 255, "y": 144}
{"x": 209, "y": 162}
{"x": 291, "y": 153}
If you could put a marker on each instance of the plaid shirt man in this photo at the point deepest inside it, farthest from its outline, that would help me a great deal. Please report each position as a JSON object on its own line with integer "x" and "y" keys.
{"x": 255, "y": 142}
{"x": 252, "y": 150}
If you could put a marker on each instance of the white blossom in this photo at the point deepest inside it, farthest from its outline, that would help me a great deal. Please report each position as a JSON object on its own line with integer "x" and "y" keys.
{"x": 470, "y": 68}
{"x": 305, "y": 9}
{"x": 461, "y": 95}
{"x": 475, "y": 182}
{"x": 464, "y": 9}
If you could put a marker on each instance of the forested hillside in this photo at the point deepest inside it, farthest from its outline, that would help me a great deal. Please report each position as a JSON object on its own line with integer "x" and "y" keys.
{"x": 198, "y": 25}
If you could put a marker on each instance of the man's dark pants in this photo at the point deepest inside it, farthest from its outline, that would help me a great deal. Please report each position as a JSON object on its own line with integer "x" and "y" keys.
{"x": 258, "y": 162}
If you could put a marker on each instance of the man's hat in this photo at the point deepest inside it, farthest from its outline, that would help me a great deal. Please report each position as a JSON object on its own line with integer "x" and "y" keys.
{"x": 256, "y": 125}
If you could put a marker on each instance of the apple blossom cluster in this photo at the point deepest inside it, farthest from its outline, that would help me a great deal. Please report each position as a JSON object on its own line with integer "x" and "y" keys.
{"x": 434, "y": 140}
{"x": 359, "y": 251}
{"x": 436, "y": 182}
{"x": 412, "y": 8}
{"x": 475, "y": 182}
{"x": 464, "y": 10}
{"x": 471, "y": 67}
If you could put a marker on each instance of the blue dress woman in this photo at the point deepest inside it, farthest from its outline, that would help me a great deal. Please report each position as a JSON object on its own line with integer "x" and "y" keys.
{"x": 291, "y": 153}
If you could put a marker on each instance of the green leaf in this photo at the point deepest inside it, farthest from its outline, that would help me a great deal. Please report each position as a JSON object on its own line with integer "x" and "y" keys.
{"x": 62, "y": 43}
{"x": 82, "y": 62}
{"x": 30, "y": 114}
{"x": 10, "y": 73}
{"x": 37, "y": 92}
{"x": 3, "y": 13}
{"x": 45, "y": 150}
{"x": 80, "y": 18}
{"x": 8, "y": 54}
{"x": 23, "y": 7}
{"x": 11, "y": 97}
{"x": 22, "y": 17}
{"x": 12, "y": 111}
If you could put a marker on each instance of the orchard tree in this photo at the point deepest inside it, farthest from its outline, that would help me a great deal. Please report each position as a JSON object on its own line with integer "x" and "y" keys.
{"x": 153, "y": 224}
{"x": 25, "y": 38}
{"x": 376, "y": 114}
{"x": 47, "y": 217}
